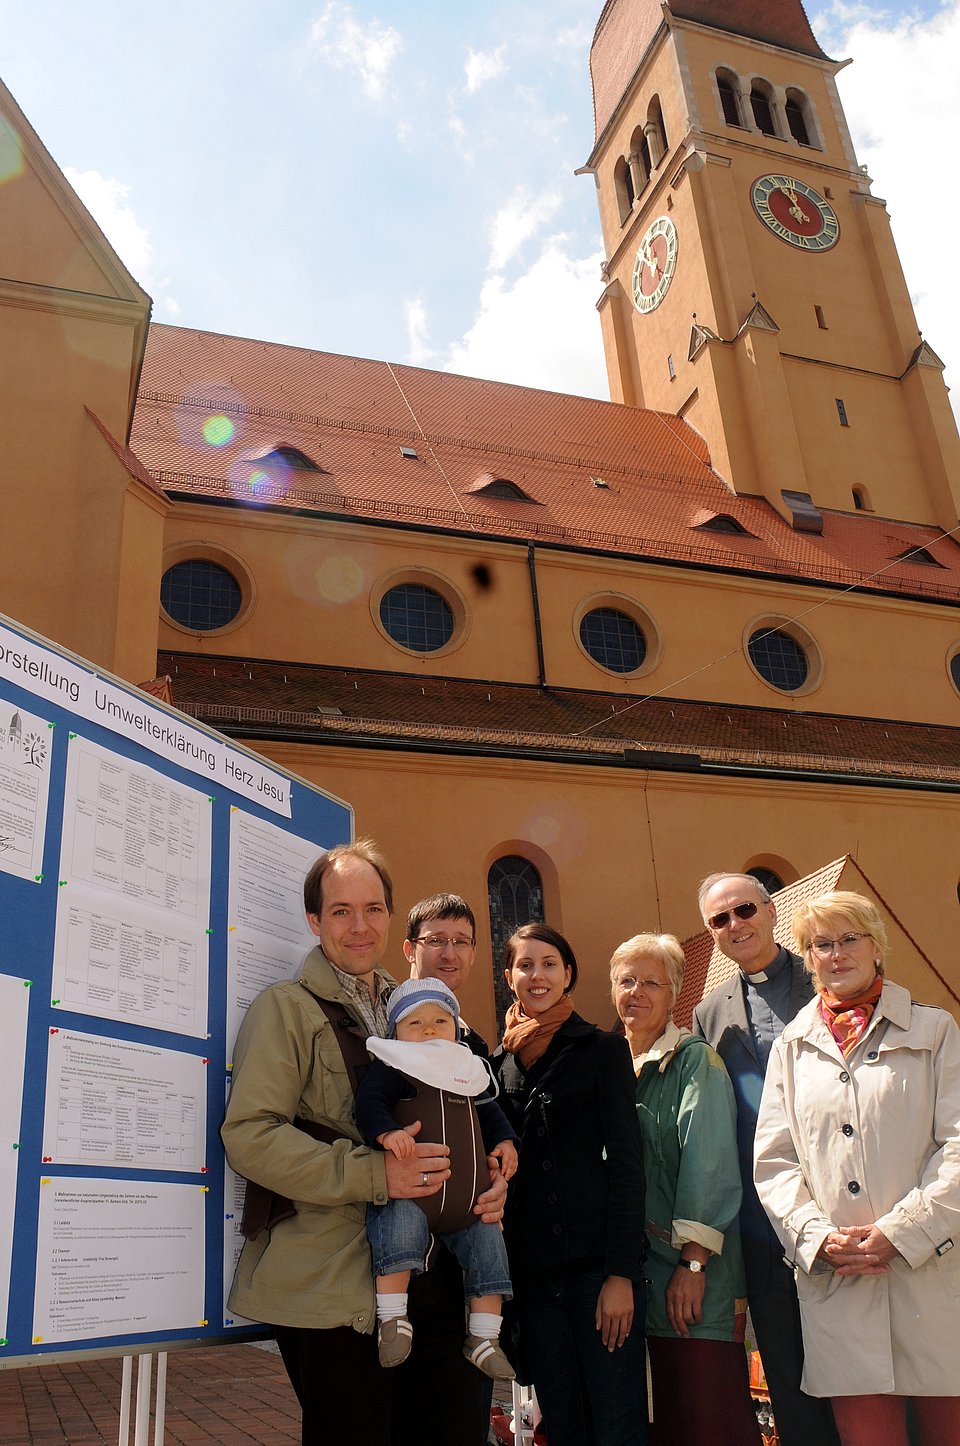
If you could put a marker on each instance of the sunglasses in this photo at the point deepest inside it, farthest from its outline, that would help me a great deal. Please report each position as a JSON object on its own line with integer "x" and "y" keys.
{"x": 742, "y": 911}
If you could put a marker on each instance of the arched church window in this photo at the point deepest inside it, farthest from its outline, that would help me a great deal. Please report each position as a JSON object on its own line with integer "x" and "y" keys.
{"x": 771, "y": 882}
{"x": 514, "y": 897}
{"x": 623, "y": 182}
{"x": 799, "y": 119}
{"x": 728, "y": 88}
{"x": 763, "y": 107}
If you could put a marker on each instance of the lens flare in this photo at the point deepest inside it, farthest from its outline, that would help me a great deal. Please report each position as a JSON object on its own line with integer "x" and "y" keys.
{"x": 544, "y": 830}
{"x": 218, "y": 431}
{"x": 340, "y": 579}
{"x": 11, "y": 155}
{"x": 561, "y": 831}
{"x": 259, "y": 480}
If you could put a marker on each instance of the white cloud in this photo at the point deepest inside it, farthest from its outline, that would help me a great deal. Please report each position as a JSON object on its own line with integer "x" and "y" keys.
{"x": 458, "y": 134}
{"x": 514, "y": 224}
{"x": 419, "y": 351}
{"x": 543, "y": 325}
{"x": 106, "y": 200}
{"x": 346, "y": 44}
{"x": 902, "y": 104}
{"x": 483, "y": 66}
{"x": 577, "y": 38}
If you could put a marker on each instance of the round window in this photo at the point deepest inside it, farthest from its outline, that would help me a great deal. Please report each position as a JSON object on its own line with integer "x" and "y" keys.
{"x": 200, "y": 595}
{"x": 955, "y": 670}
{"x": 779, "y": 659}
{"x": 613, "y": 640}
{"x": 416, "y": 617}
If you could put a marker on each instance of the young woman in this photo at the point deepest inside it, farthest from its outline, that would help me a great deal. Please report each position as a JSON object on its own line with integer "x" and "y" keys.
{"x": 574, "y": 1219}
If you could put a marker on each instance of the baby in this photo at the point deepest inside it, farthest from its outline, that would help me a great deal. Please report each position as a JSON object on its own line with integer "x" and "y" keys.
{"x": 422, "y": 1073}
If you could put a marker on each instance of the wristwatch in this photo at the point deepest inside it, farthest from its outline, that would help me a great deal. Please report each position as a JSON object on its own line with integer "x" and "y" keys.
{"x": 693, "y": 1265}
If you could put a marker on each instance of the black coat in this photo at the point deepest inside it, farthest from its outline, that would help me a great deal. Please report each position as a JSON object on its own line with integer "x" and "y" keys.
{"x": 721, "y": 1019}
{"x": 576, "y": 1201}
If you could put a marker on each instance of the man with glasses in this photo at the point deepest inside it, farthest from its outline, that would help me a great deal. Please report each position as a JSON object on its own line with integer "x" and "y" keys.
{"x": 441, "y": 943}
{"x": 741, "y": 1020}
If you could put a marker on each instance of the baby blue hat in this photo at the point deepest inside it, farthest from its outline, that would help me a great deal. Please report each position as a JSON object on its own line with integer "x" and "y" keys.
{"x": 414, "y": 993}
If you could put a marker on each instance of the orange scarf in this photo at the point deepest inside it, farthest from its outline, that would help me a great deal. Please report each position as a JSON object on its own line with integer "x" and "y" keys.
{"x": 848, "y": 1019}
{"x": 529, "y": 1036}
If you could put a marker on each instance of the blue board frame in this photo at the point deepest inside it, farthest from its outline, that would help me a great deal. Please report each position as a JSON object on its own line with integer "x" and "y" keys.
{"x": 28, "y": 910}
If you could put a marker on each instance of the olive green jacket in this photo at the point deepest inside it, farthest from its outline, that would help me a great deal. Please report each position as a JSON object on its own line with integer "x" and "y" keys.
{"x": 312, "y": 1270}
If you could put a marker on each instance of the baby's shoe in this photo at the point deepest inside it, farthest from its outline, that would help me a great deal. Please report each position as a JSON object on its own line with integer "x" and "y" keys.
{"x": 394, "y": 1339}
{"x": 487, "y": 1356}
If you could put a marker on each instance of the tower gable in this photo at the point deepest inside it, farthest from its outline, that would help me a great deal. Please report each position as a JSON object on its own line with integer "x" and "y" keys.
{"x": 627, "y": 28}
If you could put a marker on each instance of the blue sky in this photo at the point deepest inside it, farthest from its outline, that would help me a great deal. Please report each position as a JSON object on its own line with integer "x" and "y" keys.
{"x": 396, "y": 179}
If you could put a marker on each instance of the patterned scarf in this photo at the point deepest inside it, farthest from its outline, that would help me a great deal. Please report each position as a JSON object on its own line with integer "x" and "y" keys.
{"x": 848, "y": 1019}
{"x": 529, "y": 1036}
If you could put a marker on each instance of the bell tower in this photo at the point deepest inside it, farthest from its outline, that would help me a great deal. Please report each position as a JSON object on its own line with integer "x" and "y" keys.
{"x": 752, "y": 283}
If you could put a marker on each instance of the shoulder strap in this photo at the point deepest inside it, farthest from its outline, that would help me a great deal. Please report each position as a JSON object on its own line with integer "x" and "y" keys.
{"x": 264, "y": 1208}
{"x": 349, "y": 1036}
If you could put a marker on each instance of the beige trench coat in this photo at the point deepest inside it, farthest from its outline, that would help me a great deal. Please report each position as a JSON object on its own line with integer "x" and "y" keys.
{"x": 873, "y": 1138}
{"x": 314, "y": 1269}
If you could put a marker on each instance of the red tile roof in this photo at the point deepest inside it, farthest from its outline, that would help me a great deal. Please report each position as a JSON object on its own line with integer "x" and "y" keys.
{"x": 158, "y": 688}
{"x": 626, "y": 28}
{"x": 124, "y": 455}
{"x": 211, "y": 407}
{"x": 339, "y": 705}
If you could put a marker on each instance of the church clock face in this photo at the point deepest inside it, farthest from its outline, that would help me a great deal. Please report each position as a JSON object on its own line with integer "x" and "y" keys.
{"x": 655, "y": 264}
{"x": 795, "y": 212}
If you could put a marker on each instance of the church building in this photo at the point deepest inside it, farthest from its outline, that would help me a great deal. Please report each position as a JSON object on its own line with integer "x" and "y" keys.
{"x": 562, "y": 656}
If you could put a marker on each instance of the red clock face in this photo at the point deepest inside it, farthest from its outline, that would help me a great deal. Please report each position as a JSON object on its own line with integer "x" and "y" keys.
{"x": 799, "y": 214}
{"x": 795, "y": 212}
{"x": 655, "y": 264}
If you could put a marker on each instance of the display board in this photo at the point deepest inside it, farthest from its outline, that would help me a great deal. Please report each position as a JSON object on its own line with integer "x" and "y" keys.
{"x": 150, "y": 886}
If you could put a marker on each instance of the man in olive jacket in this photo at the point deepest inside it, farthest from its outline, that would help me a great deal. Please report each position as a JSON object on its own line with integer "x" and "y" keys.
{"x": 309, "y": 1275}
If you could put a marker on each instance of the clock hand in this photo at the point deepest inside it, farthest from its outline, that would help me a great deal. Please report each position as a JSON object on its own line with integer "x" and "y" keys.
{"x": 795, "y": 210}
{"x": 652, "y": 260}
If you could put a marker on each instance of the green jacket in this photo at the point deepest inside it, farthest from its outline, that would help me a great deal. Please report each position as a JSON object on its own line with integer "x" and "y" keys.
{"x": 688, "y": 1120}
{"x": 312, "y": 1270}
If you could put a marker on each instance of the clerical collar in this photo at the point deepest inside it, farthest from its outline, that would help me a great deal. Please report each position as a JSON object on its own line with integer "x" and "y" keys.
{"x": 764, "y": 976}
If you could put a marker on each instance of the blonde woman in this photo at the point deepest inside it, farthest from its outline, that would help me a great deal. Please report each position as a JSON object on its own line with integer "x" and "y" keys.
{"x": 695, "y": 1306}
{"x": 858, "y": 1167}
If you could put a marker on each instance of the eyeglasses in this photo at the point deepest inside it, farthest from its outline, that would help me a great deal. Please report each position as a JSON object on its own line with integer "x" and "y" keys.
{"x": 440, "y": 942}
{"x": 742, "y": 911}
{"x": 823, "y": 948}
{"x": 649, "y": 986}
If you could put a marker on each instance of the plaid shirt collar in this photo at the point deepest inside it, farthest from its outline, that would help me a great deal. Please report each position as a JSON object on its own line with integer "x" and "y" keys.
{"x": 371, "y": 1006}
